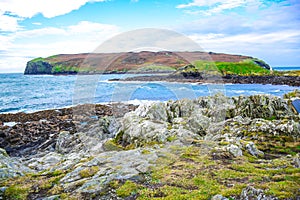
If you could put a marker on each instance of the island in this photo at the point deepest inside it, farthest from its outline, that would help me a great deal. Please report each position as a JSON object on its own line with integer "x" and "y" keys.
{"x": 199, "y": 67}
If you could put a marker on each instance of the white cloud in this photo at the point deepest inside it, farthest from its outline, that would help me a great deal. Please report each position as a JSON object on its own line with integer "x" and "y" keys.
{"x": 199, "y": 3}
{"x": 37, "y": 23}
{"x": 12, "y": 11}
{"x": 16, "y": 49}
{"x": 276, "y": 47}
{"x": 216, "y": 6}
{"x": 8, "y": 23}
{"x": 49, "y": 9}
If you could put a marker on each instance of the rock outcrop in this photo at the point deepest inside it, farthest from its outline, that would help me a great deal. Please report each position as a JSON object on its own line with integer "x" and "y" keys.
{"x": 208, "y": 148}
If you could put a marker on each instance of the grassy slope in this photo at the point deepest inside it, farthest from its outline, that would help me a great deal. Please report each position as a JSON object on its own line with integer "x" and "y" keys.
{"x": 243, "y": 68}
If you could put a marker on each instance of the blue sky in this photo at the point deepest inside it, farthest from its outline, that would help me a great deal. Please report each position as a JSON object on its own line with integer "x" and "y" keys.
{"x": 266, "y": 29}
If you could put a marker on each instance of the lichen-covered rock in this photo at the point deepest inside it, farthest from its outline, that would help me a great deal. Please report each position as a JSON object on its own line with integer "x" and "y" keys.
{"x": 11, "y": 167}
{"x": 218, "y": 197}
{"x": 260, "y": 106}
{"x": 139, "y": 131}
{"x": 253, "y": 150}
{"x": 98, "y": 172}
{"x": 296, "y": 160}
{"x": 250, "y": 193}
{"x": 234, "y": 150}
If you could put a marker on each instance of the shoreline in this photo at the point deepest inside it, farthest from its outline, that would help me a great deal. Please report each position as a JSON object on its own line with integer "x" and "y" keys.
{"x": 233, "y": 79}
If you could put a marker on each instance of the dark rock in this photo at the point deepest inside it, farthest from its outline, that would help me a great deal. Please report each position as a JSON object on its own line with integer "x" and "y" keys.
{"x": 38, "y": 67}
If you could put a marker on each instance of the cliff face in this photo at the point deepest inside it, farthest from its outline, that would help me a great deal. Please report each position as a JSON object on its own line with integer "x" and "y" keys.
{"x": 144, "y": 61}
{"x": 38, "y": 67}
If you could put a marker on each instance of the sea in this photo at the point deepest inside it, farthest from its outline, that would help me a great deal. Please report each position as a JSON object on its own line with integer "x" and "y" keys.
{"x": 30, "y": 93}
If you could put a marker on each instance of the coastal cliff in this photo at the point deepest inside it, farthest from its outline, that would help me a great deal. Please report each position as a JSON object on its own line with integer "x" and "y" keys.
{"x": 135, "y": 62}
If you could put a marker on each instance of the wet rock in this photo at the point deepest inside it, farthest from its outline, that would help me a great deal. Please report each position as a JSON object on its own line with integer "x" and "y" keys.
{"x": 250, "y": 193}
{"x": 38, "y": 132}
{"x": 234, "y": 150}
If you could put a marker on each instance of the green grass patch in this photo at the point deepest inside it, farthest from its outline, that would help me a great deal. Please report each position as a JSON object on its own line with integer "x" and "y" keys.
{"x": 127, "y": 189}
{"x": 37, "y": 59}
{"x": 243, "y": 68}
{"x": 156, "y": 68}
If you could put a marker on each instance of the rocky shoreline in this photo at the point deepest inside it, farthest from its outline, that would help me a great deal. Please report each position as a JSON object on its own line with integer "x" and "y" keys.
{"x": 234, "y": 79}
{"x": 212, "y": 147}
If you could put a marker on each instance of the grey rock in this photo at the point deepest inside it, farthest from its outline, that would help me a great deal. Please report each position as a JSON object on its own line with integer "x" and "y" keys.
{"x": 234, "y": 150}
{"x": 111, "y": 165}
{"x": 54, "y": 197}
{"x": 11, "y": 167}
{"x": 253, "y": 150}
{"x": 296, "y": 161}
{"x": 218, "y": 197}
{"x": 250, "y": 193}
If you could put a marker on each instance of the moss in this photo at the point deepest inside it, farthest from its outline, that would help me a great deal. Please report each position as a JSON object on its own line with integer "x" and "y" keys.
{"x": 171, "y": 138}
{"x": 119, "y": 137}
{"x": 89, "y": 171}
{"x": 127, "y": 189}
{"x": 145, "y": 151}
{"x": 283, "y": 189}
{"x": 271, "y": 118}
{"x": 224, "y": 143}
{"x": 16, "y": 192}
{"x": 111, "y": 145}
{"x": 114, "y": 184}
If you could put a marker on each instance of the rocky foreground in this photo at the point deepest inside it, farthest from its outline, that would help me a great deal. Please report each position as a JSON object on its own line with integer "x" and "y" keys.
{"x": 208, "y": 148}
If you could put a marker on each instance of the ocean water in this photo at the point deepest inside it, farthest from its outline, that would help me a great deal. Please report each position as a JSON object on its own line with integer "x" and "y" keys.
{"x": 38, "y": 92}
{"x": 286, "y": 68}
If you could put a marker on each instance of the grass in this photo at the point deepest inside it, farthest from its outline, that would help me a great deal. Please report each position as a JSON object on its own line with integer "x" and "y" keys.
{"x": 244, "y": 68}
{"x": 187, "y": 173}
{"x": 64, "y": 69}
{"x": 156, "y": 68}
{"x": 32, "y": 184}
{"x": 38, "y": 59}
{"x": 127, "y": 189}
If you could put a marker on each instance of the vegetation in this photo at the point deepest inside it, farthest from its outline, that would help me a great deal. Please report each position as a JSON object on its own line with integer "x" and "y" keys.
{"x": 23, "y": 187}
{"x": 127, "y": 189}
{"x": 38, "y": 59}
{"x": 244, "y": 68}
{"x": 186, "y": 173}
{"x": 156, "y": 68}
{"x": 88, "y": 172}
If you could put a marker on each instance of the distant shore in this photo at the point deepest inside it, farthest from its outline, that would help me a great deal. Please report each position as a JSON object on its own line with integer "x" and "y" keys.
{"x": 235, "y": 79}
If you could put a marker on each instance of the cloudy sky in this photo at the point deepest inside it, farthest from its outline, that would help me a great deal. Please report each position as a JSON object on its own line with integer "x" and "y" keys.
{"x": 266, "y": 29}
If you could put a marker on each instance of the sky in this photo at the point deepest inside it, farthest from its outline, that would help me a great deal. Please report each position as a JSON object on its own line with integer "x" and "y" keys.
{"x": 269, "y": 30}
